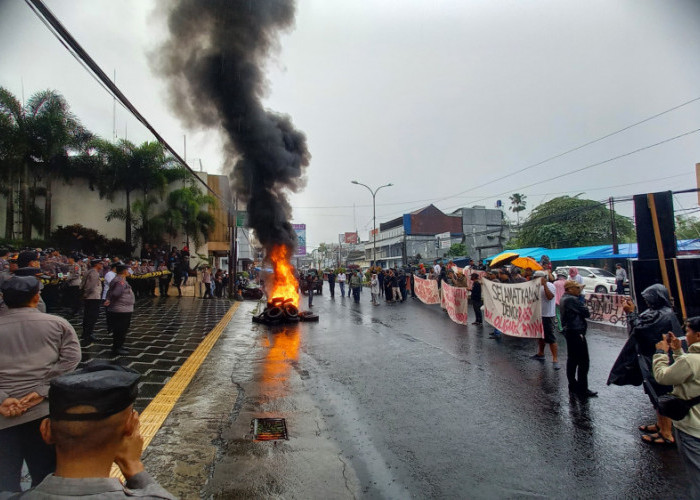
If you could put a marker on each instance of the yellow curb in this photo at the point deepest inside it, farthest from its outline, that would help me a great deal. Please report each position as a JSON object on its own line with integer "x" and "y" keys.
{"x": 152, "y": 418}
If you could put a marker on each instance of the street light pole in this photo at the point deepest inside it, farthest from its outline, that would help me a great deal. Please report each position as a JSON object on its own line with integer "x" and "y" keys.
{"x": 374, "y": 217}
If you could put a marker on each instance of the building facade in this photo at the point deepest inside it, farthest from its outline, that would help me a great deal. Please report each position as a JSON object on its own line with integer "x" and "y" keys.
{"x": 485, "y": 230}
{"x": 414, "y": 237}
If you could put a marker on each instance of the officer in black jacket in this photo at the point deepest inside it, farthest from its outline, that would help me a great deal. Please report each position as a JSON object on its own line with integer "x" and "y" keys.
{"x": 573, "y": 317}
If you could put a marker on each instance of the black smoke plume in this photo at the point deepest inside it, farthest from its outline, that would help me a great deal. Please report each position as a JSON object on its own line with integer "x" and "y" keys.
{"x": 214, "y": 61}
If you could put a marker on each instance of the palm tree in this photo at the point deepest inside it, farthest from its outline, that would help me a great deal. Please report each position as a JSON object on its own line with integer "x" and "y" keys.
{"x": 12, "y": 152}
{"x": 55, "y": 135}
{"x": 126, "y": 167}
{"x": 38, "y": 139}
{"x": 517, "y": 204}
{"x": 145, "y": 227}
{"x": 185, "y": 212}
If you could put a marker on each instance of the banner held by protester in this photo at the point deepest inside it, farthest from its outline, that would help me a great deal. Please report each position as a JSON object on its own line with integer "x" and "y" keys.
{"x": 454, "y": 300}
{"x": 427, "y": 290}
{"x": 607, "y": 308}
{"x": 514, "y": 308}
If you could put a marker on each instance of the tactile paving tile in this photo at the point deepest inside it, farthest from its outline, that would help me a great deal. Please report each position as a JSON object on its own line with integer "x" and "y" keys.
{"x": 164, "y": 332}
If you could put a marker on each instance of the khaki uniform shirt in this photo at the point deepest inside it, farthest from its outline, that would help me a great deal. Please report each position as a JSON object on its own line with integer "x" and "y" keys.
{"x": 140, "y": 485}
{"x": 36, "y": 347}
{"x": 92, "y": 286}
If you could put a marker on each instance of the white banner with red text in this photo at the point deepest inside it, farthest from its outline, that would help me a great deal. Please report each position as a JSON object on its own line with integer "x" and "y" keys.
{"x": 454, "y": 300}
{"x": 426, "y": 290}
{"x": 606, "y": 308}
{"x": 514, "y": 308}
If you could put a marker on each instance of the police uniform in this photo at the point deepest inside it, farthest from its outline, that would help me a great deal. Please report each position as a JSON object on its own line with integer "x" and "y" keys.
{"x": 109, "y": 389}
{"x": 92, "y": 299}
{"x": 35, "y": 347}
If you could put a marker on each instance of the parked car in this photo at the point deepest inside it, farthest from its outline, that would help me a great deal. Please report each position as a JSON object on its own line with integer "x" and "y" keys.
{"x": 595, "y": 279}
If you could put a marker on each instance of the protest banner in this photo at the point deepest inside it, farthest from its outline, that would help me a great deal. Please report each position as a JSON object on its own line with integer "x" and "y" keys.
{"x": 607, "y": 308}
{"x": 514, "y": 308}
{"x": 454, "y": 299}
{"x": 426, "y": 290}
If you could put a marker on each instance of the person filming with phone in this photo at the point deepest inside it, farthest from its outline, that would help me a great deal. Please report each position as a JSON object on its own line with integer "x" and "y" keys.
{"x": 684, "y": 376}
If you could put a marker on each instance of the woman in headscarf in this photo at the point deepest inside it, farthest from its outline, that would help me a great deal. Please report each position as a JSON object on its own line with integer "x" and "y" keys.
{"x": 633, "y": 365}
{"x": 574, "y": 275}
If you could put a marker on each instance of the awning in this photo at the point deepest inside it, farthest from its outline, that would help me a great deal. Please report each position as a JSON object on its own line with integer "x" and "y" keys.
{"x": 625, "y": 251}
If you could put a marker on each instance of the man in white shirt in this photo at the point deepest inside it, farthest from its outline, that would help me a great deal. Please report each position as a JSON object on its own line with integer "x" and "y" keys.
{"x": 548, "y": 302}
{"x": 620, "y": 279}
{"x": 108, "y": 279}
{"x": 341, "y": 280}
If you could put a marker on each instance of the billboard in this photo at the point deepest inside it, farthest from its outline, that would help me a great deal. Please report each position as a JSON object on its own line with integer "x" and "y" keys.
{"x": 300, "y": 229}
{"x": 351, "y": 238}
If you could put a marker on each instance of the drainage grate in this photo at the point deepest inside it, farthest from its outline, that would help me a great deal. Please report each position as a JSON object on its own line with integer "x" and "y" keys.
{"x": 269, "y": 429}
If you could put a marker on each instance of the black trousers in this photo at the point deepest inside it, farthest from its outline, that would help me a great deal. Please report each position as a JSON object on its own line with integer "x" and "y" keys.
{"x": 476, "y": 304}
{"x": 23, "y": 443}
{"x": 331, "y": 285}
{"x": 120, "y": 327}
{"x": 73, "y": 298}
{"x": 577, "y": 362}
{"x": 91, "y": 312}
{"x": 163, "y": 285}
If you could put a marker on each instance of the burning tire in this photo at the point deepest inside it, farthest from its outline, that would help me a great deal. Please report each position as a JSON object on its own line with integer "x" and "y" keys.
{"x": 291, "y": 310}
{"x": 274, "y": 313}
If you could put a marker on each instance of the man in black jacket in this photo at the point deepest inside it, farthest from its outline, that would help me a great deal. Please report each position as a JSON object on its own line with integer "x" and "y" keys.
{"x": 476, "y": 299}
{"x": 573, "y": 316}
{"x": 331, "y": 283}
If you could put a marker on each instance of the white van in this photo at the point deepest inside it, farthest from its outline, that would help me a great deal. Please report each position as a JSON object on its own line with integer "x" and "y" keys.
{"x": 594, "y": 279}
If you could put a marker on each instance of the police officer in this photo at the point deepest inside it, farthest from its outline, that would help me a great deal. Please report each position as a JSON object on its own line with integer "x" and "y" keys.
{"x": 35, "y": 347}
{"x": 92, "y": 423}
{"x": 120, "y": 306}
{"x": 92, "y": 298}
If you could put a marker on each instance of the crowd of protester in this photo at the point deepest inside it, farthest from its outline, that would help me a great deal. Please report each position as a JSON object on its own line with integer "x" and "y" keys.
{"x": 48, "y": 411}
{"x": 654, "y": 333}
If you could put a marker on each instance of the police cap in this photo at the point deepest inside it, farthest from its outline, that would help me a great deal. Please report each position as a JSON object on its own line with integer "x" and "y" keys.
{"x": 107, "y": 388}
{"x": 20, "y": 285}
{"x": 27, "y": 271}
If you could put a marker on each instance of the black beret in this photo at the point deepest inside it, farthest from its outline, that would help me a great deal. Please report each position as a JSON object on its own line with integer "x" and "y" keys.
{"x": 26, "y": 256}
{"x": 27, "y": 271}
{"x": 121, "y": 267}
{"x": 106, "y": 387}
{"x": 21, "y": 284}
{"x": 94, "y": 262}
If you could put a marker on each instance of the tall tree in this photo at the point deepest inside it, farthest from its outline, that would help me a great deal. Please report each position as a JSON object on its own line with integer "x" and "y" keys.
{"x": 186, "y": 210}
{"x": 571, "y": 222}
{"x": 39, "y": 140}
{"x": 127, "y": 167}
{"x": 687, "y": 227}
{"x": 56, "y": 135}
{"x": 13, "y": 147}
{"x": 517, "y": 204}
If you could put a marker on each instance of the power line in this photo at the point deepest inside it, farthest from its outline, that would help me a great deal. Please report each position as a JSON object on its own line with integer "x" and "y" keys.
{"x": 75, "y": 49}
{"x": 573, "y": 149}
{"x": 597, "y": 164}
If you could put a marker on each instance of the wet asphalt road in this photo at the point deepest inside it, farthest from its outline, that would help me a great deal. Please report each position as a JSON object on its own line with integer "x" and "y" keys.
{"x": 422, "y": 407}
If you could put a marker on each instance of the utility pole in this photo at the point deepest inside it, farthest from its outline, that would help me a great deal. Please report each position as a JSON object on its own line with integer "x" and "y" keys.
{"x": 232, "y": 249}
{"x": 613, "y": 228}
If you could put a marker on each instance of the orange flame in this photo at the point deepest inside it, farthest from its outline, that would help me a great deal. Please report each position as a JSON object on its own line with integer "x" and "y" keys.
{"x": 285, "y": 285}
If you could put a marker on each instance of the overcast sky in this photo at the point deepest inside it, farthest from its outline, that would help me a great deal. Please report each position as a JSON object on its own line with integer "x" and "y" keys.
{"x": 437, "y": 97}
